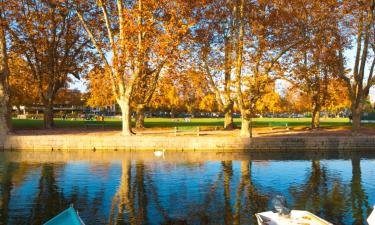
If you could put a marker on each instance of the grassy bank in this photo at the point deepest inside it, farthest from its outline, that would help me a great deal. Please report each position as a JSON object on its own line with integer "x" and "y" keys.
{"x": 168, "y": 122}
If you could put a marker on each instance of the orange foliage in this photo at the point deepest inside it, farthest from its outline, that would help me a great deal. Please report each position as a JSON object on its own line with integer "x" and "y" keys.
{"x": 100, "y": 90}
{"x": 186, "y": 91}
{"x": 23, "y": 88}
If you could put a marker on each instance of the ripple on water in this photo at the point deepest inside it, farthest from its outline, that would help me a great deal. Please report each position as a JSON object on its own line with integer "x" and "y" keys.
{"x": 196, "y": 191}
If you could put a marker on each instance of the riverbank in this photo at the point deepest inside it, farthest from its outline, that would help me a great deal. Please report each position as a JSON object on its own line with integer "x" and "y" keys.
{"x": 219, "y": 141}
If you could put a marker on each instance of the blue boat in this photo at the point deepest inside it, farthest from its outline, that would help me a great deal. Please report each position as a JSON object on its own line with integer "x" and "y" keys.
{"x": 67, "y": 217}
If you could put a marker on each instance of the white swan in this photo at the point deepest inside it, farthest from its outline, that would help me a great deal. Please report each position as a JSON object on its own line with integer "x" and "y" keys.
{"x": 159, "y": 153}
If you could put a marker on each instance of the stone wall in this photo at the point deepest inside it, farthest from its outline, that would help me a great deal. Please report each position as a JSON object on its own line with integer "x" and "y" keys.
{"x": 187, "y": 143}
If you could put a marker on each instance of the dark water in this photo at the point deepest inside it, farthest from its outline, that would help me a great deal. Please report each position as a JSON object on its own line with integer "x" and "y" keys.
{"x": 119, "y": 188}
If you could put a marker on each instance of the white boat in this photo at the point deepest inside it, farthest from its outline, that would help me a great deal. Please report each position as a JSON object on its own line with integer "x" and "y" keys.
{"x": 296, "y": 217}
{"x": 371, "y": 218}
{"x": 66, "y": 217}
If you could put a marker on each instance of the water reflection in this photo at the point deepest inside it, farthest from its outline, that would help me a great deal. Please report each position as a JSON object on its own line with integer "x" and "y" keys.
{"x": 6, "y": 187}
{"x": 228, "y": 173}
{"x": 322, "y": 193}
{"x": 129, "y": 204}
{"x": 49, "y": 200}
{"x": 133, "y": 189}
{"x": 359, "y": 200}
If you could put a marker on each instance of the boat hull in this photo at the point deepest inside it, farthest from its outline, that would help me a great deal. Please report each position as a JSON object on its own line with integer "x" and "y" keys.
{"x": 68, "y": 216}
{"x": 295, "y": 217}
{"x": 371, "y": 218}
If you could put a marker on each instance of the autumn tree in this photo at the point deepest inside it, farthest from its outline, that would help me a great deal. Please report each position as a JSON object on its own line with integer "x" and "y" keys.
{"x": 23, "y": 87}
{"x": 183, "y": 91}
{"x": 99, "y": 88}
{"x": 70, "y": 97}
{"x": 295, "y": 101}
{"x": 314, "y": 76}
{"x": 265, "y": 32}
{"x": 214, "y": 41}
{"x": 194, "y": 88}
{"x": 208, "y": 103}
{"x": 143, "y": 91}
{"x": 338, "y": 99}
{"x": 140, "y": 36}
{"x": 269, "y": 101}
{"x": 314, "y": 63}
{"x": 360, "y": 21}
{"x": 48, "y": 35}
{"x": 166, "y": 97}
{"x": 4, "y": 76}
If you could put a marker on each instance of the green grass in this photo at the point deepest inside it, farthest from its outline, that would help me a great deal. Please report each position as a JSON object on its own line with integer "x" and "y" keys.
{"x": 167, "y": 122}
{"x": 292, "y": 122}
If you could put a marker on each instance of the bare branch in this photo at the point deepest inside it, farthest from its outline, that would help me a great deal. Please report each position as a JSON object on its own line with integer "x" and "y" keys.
{"x": 212, "y": 83}
{"x": 101, "y": 53}
{"x": 281, "y": 53}
{"x": 342, "y": 74}
{"x": 371, "y": 79}
{"x": 92, "y": 38}
{"x": 110, "y": 34}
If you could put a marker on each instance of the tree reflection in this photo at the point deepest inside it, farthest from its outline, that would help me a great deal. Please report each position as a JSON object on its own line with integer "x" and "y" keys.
{"x": 140, "y": 192}
{"x": 359, "y": 200}
{"x": 321, "y": 195}
{"x": 121, "y": 198}
{"x": 308, "y": 196}
{"x": 12, "y": 175}
{"x": 253, "y": 200}
{"x": 334, "y": 204}
{"x": 49, "y": 200}
{"x": 228, "y": 173}
{"x": 226, "y": 202}
{"x": 6, "y": 187}
{"x": 130, "y": 202}
{"x": 230, "y": 196}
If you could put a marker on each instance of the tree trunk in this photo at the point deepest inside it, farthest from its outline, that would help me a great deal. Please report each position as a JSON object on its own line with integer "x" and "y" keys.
{"x": 4, "y": 112}
{"x": 315, "y": 119}
{"x": 48, "y": 115}
{"x": 140, "y": 116}
{"x": 228, "y": 113}
{"x": 172, "y": 114}
{"x": 356, "y": 118}
{"x": 245, "y": 125}
{"x": 124, "y": 103}
{"x": 5, "y": 117}
{"x": 245, "y": 114}
{"x": 193, "y": 113}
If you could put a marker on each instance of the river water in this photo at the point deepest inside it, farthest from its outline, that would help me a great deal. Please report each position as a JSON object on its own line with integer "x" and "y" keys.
{"x": 182, "y": 188}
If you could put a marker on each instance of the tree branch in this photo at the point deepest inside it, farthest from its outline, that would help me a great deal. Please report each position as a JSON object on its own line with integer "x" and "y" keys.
{"x": 212, "y": 83}
{"x": 280, "y": 54}
{"x": 342, "y": 75}
{"x": 110, "y": 34}
{"x": 92, "y": 38}
{"x": 371, "y": 79}
{"x": 101, "y": 53}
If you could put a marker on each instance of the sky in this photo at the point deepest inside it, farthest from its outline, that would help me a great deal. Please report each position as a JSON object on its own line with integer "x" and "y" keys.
{"x": 78, "y": 84}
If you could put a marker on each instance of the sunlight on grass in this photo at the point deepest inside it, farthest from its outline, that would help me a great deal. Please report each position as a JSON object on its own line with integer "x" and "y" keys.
{"x": 180, "y": 122}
